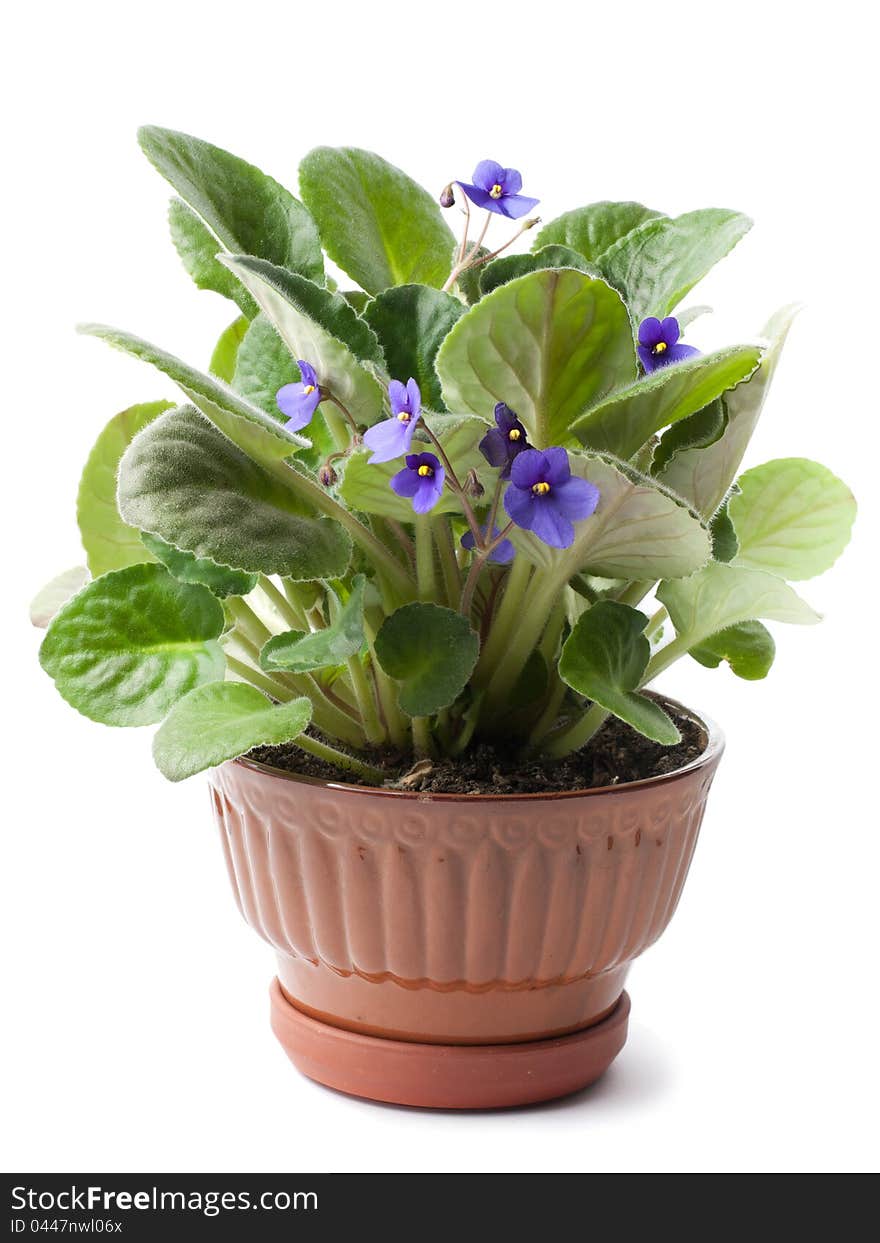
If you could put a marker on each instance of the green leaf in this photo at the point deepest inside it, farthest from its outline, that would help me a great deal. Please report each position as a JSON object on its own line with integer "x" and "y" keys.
{"x": 792, "y": 517}
{"x": 219, "y": 579}
{"x": 629, "y": 418}
{"x": 298, "y": 652}
{"x": 550, "y": 344}
{"x": 509, "y": 267}
{"x": 50, "y": 598}
{"x": 747, "y": 647}
{"x": 697, "y": 431}
{"x": 221, "y": 721}
{"x": 431, "y": 651}
{"x": 660, "y": 261}
{"x": 605, "y": 658}
{"x": 721, "y": 596}
{"x": 704, "y": 475}
{"x": 254, "y": 432}
{"x": 131, "y": 643}
{"x": 376, "y": 223}
{"x": 592, "y": 230}
{"x": 411, "y": 322}
{"x": 184, "y": 481}
{"x": 724, "y": 542}
{"x": 109, "y": 542}
{"x": 468, "y": 281}
{"x": 247, "y": 211}
{"x": 366, "y": 487}
{"x": 687, "y": 316}
{"x": 264, "y": 364}
{"x": 222, "y": 363}
{"x": 197, "y": 247}
{"x": 639, "y": 530}
{"x": 321, "y": 328}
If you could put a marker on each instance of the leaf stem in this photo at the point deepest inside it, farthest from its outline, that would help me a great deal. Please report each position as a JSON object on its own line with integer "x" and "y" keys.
{"x": 261, "y": 681}
{"x": 365, "y": 701}
{"x": 340, "y": 759}
{"x": 426, "y": 569}
{"x": 291, "y": 617}
{"x": 442, "y": 530}
{"x": 423, "y": 743}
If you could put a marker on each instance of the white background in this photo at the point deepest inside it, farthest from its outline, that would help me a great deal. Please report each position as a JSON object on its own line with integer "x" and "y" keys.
{"x": 135, "y": 998}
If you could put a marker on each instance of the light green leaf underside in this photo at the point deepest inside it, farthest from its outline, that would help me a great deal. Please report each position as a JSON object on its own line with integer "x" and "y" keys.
{"x": 258, "y": 435}
{"x": 550, "y": 344}
{"x": 629, "y": 418}
{"x": 185, "y": 482}
{"x": 111, "y": 544}
{"x": 792, "y": 517}
{"x": 221, "y": 721}
{"x": 704, "y": 475}
{"x": 605, "y": 657}
{"x": 133, "y": 642}
{"x": 298, "y": 652}
{"x": 380, "y": 226}
{"x": 638, "y": 531}
{"x": 747, "y": 647}
{"x": 292, "y": 305}
{"x": 56, "y": 593}
{"x": 431, "y": 651}
{"x": 720, "y": 596}
{"x": 248, "y": 211}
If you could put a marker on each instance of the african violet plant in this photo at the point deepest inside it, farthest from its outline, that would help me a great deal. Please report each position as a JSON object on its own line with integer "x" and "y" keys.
{"x": 428, "y": 510}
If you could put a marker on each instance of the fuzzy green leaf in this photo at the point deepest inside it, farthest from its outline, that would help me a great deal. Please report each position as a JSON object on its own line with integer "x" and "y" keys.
{"x": 111, "y": 544}
{"x": 247, "y": 211}
{"x": 721, "y": 596}
{"x": 223, "y": 359}
{"x": 792, "y": 517}
{"x": 639, "y": 530}
{"x": 185, "y": 482}
{"x": 697, "y": 431}
{"x": 321, "y": 328}
{"x": 56, "y": 593}
{"x": 509, "y": 267}
{"x": 375, "y": 222}
{"x": 411, "y": 322}
{"x": 221, "y": 721}
{"x": 131, "y": 643}
{"x": 704, "y": 475}
{"x": 605, "y": 658}
{"x": 263, "y": 365}
{"x": 258, "y": 435}
{"x": 431, "y": 651}
{"x": 626, "y": 420}
{"x": 298, "y": 652}
{"x": 594, "y": 229}
{"x": 550, "y": 344}
{"x": 197, "y": 247}
{"x": 747, "y": 647}
{"x": 219, "y": 579}
{"x": 660, "y": 261}
{"x": 724, "y": 542}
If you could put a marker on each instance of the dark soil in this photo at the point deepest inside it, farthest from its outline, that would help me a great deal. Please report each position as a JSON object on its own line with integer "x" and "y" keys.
{"x": 617, "y": 754}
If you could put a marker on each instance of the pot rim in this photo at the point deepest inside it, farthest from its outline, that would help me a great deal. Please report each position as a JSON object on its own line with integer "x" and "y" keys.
{"x": 711, "y": 752}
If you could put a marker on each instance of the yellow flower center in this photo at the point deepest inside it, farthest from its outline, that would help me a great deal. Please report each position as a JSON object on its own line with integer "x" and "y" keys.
{"x": 425, "y": 471}
{"x": 514, "y": 434}
{"x": 496, "y": 191}
{"x": 404, "y": 417}
{"x": 309, "y": 388}
{"x": 540, "y": 489}
{"x": 660, "y": 347}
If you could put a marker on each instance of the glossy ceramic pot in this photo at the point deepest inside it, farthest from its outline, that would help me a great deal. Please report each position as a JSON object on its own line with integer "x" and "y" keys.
{"x": 456, "y": 950}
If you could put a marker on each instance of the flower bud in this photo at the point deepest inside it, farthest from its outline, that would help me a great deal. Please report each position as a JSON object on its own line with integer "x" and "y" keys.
{"x": 472, "y": 485}
{"x": 327, "y": 475}
{"x": 447, "y": 196}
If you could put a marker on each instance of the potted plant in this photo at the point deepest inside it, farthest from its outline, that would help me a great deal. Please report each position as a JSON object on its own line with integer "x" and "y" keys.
{"x": 386, "y": 574}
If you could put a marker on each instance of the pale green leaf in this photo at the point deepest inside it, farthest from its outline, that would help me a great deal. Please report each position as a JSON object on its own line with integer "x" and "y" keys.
{"x": 56, "y": 593}
{"x": 222, "y": 363}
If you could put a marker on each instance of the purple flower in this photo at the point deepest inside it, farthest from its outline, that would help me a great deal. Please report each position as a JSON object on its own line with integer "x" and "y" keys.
{"x": 421, "y": 481}
{"x": 503, "y": 443}
{"x": 659, "y": 345}
{"x": 544, "y": 497}
{"x": 392, "y": 438}
{"x": 498, "y": 189}
{"x": 300, "y": 401}
{"x": 502, "y": 554}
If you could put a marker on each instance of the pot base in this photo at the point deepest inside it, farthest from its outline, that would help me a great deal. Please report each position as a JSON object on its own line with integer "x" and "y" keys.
{"x": 445, "y": 1076}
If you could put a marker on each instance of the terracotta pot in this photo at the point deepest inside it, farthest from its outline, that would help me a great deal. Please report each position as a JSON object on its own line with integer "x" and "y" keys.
{"x": 456, "y": 950}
